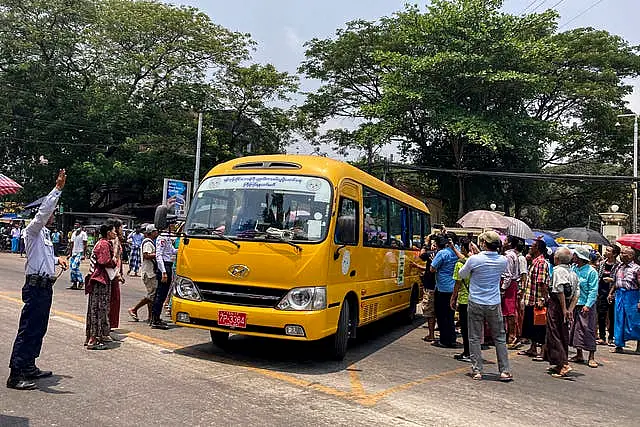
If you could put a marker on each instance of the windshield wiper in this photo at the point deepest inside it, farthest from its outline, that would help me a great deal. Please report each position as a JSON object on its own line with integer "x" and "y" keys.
{"x": 213, "y": 233}
{"x": 277, "y": 234}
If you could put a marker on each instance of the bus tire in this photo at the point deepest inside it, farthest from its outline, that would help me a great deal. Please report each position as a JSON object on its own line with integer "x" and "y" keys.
{"x": 219, "y": 339}
{"x": 340, "y": 340}
{"x": 410, "y": 313}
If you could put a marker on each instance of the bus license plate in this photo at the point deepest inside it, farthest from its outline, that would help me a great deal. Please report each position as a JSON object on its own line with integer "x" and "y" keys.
{"x": 232, "y": 319}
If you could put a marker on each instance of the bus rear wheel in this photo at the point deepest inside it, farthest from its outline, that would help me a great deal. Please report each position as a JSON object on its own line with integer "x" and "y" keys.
{"x": 219, "y": 339}
{"x": 340, "y": 340}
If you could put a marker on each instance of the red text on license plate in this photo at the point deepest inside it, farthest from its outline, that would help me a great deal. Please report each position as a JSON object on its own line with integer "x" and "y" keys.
{"x": 232, "y": 319}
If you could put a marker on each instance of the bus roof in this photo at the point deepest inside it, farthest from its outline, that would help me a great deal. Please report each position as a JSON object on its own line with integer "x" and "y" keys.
{"x": 334, "y": 170}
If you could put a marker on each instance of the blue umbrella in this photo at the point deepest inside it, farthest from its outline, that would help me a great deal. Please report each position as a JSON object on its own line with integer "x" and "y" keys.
{"x": 548, "y": 239}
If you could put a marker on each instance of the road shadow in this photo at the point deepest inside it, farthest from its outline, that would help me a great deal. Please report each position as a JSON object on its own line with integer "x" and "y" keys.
{"x": 45, "y": 385}
{"x": 307, "y": 358}
{"x": 9, "y": 421}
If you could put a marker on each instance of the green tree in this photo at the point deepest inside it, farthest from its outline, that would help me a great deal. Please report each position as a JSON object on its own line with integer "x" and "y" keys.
{"x": 464, "y": 85}
{"x": 110, "y": 89}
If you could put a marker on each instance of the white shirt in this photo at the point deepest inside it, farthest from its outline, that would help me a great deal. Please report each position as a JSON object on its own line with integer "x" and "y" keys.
{"x": 78, "y": 240}
{"x": 164, "y": 252}
{"x": 38, "y": 245}
{"x": 15, "y": 233}
{"x": 147, "y": 265}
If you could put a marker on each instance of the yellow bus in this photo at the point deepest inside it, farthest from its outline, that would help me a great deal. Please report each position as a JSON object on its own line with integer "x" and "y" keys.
{"x": 296, "y": 247}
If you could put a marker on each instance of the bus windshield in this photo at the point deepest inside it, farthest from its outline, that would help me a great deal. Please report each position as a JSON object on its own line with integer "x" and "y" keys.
{"x": 247, "y": 206}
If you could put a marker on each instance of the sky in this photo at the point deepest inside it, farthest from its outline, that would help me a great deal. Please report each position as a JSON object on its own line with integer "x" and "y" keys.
{"x": 281, "y": 27}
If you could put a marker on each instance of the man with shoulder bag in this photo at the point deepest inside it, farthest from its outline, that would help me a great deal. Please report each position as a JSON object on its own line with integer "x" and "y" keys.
{"x": 149, "y": 272}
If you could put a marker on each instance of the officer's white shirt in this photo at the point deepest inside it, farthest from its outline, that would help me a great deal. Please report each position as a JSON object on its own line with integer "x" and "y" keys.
{"x": 37, "y": 239}
{"x": 164, "y": 252}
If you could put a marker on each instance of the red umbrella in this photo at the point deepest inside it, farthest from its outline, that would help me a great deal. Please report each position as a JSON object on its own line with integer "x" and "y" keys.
{"x": 8, "y": 186}
{"x": 632, "y": 240}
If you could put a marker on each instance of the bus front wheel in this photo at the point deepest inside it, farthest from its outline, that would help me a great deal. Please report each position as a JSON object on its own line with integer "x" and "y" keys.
{"x": 219, "y": 339}
{"x": 340, "y": 340}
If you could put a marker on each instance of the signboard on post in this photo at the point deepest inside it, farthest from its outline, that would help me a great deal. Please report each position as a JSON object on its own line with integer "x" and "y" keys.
{"x": 176, "y": 195}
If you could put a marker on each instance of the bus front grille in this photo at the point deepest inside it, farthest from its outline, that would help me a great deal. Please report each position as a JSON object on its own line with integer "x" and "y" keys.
{"x": 251, "y": 296}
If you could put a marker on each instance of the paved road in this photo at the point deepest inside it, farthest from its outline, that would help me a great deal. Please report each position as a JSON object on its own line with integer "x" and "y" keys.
{"x": 390, "y": 377}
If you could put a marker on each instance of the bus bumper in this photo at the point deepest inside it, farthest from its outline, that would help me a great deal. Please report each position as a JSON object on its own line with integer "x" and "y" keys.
{"x": 261, "y": 322}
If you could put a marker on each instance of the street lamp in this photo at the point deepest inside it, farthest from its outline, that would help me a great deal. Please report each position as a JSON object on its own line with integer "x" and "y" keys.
{"x": 634, "y": 219}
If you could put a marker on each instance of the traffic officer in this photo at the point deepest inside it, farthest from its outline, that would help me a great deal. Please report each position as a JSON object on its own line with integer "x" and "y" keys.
{"x": 37, "y": 294}
{"x": 165, "y": 254}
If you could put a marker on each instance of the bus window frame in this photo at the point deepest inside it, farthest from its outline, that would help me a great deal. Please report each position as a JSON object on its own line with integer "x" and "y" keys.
{"x": 407, "y": 209}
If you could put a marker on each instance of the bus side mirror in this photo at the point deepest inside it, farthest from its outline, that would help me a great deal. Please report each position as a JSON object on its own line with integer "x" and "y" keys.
{"x": 336, "y": 254}
{"x": 160, "y": 218}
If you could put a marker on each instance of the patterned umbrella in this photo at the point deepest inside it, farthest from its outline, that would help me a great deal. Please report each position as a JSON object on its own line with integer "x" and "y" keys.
{"x": 519, "y": 229}
{"x": 8, "y": 186}
{"x": 584, "y": 235}
{"x": 631, "y": 240}
{"x": 484, "y": 219}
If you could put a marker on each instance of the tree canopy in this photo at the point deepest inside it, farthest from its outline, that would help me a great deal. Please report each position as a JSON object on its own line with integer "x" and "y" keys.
{"x": 111, "y": 89}
{"x": 464, "y": 85}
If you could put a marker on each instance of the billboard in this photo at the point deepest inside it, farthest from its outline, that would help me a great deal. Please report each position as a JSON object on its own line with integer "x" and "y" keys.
{"x": 176, "y": 195}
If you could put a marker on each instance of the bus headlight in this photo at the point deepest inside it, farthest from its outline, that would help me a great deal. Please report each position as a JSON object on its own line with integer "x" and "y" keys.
{"x": 304, "y": 299}
{"x": 186, "y": 289}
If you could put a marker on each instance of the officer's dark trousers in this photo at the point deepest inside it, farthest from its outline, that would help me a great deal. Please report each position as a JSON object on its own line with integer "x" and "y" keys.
{"x": 34, "y": 320}
{"x": 162, "y": 291}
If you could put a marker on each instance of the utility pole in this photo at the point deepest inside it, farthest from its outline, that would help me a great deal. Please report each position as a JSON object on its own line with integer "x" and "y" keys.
{"x": 196, "y": 172}
{"x": 634, "y": 219}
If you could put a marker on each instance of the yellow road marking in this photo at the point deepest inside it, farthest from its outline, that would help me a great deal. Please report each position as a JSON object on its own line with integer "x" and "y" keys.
{"x": 356, "y": 383}
{"x": 357, "y": 393}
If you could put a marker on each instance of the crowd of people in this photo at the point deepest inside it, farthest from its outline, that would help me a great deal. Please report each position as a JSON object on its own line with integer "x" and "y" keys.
{"x": 509, "y": 296}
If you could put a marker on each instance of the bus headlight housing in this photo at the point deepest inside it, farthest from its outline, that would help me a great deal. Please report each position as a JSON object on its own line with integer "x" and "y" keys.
{"x": 186, "y": 289}
{"x": 304, "y": 299}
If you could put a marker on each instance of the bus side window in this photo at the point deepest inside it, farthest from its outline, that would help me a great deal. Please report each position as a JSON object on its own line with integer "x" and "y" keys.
{"x": 347, "y": 223}
{"x": 376, "y": 219}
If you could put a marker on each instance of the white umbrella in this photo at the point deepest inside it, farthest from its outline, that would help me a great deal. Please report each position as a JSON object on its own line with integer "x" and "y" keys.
{"x": 484, "y": 219}
{"x": 519, "y": 229}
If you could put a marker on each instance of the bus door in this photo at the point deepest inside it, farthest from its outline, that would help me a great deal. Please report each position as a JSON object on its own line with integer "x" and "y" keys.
{"x": 345, "y": 263}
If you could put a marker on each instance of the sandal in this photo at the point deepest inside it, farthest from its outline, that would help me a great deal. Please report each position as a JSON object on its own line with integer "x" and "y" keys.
{"x": 592, "y": 364}
{"x": 476, "y": 376}
{"x": 427, "y": 339}
{"x": 601, "y": 342}
{"x": 619, "y": 350}
{"x": 538, "y": 359}
{"x": 575, "y": 359}
{"x": 97, "y": 346}
{"x": 505, "y": 377}
{"x": 526, "y": 353}
{"x": 133, "y": 315}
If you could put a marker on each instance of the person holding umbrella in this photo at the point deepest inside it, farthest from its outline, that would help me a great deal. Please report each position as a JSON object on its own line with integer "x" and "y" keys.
{"x": 37, "y": 294}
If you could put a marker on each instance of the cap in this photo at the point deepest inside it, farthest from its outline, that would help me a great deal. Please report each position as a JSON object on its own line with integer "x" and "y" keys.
{"x": 490, "y": 237}
{"x": 150, "y": 228}
{"x": 582, "y": 253}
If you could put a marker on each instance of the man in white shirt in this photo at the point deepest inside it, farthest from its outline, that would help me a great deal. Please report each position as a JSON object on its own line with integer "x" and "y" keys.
{"x": 15, "y": 238}
{"x": 165, "y": 253}
{"x": 149, "y": 271}
{"x": 37, "y": 294}
{"x": 78, "y": 247}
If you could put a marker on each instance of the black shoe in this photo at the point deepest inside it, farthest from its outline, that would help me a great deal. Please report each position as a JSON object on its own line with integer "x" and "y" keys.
{"x": 35, "y": 373}
{"x": 159, "y": 324}
{"x": 19, "y": 382}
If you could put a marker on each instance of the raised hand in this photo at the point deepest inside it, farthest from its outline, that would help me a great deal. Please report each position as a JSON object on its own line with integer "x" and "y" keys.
{"x": 61, "y": 180}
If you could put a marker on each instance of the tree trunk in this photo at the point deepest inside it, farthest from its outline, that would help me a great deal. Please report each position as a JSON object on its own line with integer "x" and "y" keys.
{"x": 461, "y": 196}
